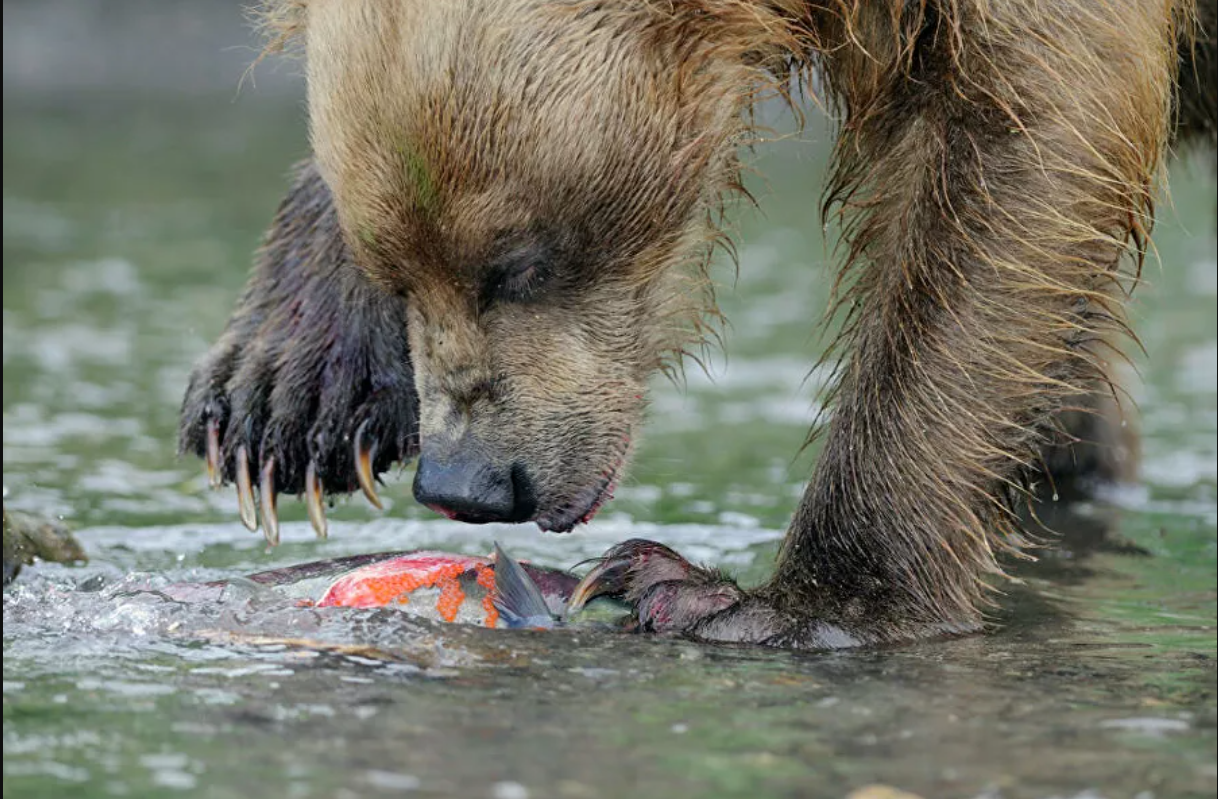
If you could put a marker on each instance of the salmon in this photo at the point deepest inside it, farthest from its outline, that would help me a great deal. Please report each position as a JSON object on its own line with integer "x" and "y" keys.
{"x": 442, "y": 586}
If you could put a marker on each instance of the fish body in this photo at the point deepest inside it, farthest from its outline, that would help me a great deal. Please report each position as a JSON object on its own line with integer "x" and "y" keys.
{"x": 441, "y": 586}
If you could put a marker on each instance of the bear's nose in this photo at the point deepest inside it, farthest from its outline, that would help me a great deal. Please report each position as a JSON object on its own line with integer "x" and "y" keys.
{"x": 469, "y": 488}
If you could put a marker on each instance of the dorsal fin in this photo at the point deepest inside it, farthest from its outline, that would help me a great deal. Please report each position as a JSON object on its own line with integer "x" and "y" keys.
{"x": 518, "y": 599}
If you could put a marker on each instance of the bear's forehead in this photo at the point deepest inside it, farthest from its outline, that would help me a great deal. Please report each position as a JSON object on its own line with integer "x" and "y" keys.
{"x": 460, "y": 94}
{"x": 464, "y": 124}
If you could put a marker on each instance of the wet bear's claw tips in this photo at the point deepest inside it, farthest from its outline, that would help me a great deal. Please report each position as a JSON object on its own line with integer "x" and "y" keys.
{"x": 266, "y": 493}
{"x": 364, "y": 455}
{"x": 214, "y": 477}
{"x": 315, "y": 500}
{"x": 245, "y": 491}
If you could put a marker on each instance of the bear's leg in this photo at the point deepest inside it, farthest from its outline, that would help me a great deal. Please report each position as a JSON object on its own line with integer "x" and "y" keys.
{"x": 995, "y": 169}
{"x": 1095, "y": 444}
{"x": 310, "y": 387}
{"x": 1098, "y": 444}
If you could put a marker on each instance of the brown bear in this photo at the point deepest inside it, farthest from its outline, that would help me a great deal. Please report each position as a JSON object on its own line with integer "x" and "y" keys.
{"x": 504, "y": 229}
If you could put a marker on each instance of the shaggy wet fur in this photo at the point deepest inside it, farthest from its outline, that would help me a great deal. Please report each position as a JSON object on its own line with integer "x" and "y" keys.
{"x": 515, "y": 199}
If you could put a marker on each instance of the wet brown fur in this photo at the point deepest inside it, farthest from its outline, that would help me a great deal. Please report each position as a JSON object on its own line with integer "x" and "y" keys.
{"x": 996, "y": 168}
{"x": 993, "y": 181}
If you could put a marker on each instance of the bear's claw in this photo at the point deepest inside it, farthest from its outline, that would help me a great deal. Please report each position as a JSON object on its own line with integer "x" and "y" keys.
{"x": 667, "y": 592}
{"x": 364, "y": 454}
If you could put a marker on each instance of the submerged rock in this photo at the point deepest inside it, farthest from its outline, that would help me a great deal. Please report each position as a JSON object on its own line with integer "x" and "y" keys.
{"x": 27, "y": 538}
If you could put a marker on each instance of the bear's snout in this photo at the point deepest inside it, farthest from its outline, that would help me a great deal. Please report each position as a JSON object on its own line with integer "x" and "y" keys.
{"x": 466, "y": 486}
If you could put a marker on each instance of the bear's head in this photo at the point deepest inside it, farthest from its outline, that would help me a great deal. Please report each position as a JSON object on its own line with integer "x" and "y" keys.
{"x": 540, "y": 180}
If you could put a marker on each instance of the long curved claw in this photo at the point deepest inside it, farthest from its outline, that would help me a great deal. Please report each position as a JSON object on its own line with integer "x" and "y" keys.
{"x": 314, "y": 498}
{"x": 270, "y": 515}
{"x": 625, "y": 569}
{"x": 363, "y": 467}
{"x": 245, "y": 490}
{"x": 668, "y": 594}
{"x": 214, "y": 478}
{"x": 606, "y": 578}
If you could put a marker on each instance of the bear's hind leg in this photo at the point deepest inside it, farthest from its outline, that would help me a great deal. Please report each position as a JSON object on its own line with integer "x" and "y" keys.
{"x": 1093, "y": 444}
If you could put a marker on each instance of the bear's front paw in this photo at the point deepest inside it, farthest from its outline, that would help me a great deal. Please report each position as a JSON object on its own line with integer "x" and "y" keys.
{"x": 310, "y": 388}
{"x": 669, "y": 594}
{"x": 314, "y": 400}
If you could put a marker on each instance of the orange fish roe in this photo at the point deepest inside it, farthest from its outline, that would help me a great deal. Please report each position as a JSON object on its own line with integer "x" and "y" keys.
{"x": 486, "y": 579}
{"x": 380, "y": 584}
{"x": 451, "y": 597}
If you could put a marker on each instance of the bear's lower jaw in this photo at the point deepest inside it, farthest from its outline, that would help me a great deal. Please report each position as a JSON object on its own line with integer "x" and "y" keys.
{"x": 582, "y": 507}
{"x": 587, "y": 502}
